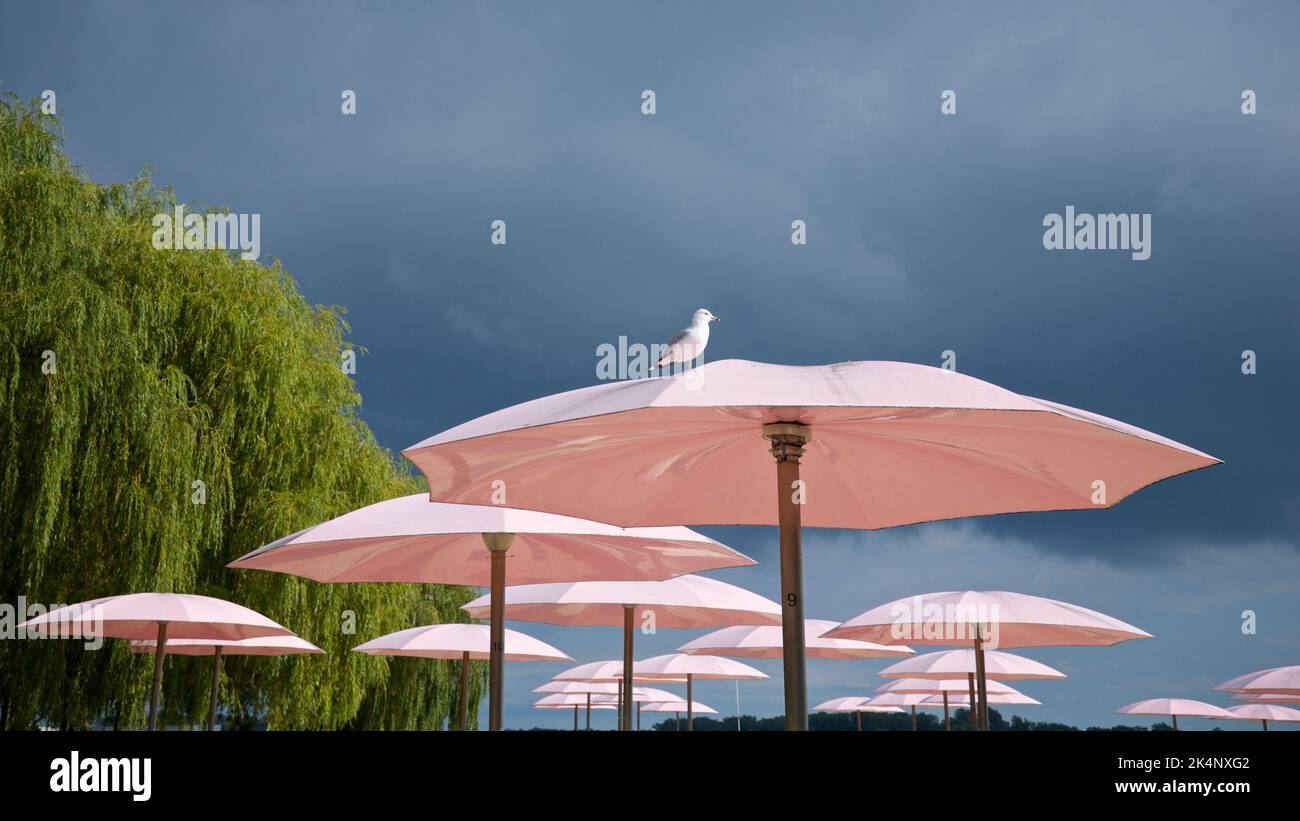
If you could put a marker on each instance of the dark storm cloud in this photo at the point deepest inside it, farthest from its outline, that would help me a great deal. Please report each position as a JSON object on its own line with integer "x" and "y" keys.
{"x": 924, "y": 235}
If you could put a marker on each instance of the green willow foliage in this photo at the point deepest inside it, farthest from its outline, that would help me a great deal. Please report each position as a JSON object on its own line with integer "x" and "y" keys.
{"x": 172, "y": 367}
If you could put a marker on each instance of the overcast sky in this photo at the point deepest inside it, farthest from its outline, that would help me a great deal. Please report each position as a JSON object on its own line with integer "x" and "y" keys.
{"x": 924, "y": 235}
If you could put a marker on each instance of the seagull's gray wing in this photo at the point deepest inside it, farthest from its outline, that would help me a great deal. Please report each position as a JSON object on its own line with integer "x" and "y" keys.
{"x": 667, "y": 355}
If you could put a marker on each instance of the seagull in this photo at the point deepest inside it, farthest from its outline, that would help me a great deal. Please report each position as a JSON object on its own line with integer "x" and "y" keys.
{"x": 688, "y": 343}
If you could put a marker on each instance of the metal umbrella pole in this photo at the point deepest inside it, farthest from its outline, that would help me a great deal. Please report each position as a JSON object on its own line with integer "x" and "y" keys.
{"x": 787, "y": 448}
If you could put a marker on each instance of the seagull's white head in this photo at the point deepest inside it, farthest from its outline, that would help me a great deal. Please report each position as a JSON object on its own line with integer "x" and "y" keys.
{"x": 703, "y": 317}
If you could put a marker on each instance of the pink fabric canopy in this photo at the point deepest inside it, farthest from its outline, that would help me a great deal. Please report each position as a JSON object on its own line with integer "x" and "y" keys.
{"x": 567, "y": 701}
{"x": 1270, "y": 698}
{"x": 679, "y": 706}
{"x": 136, "y": 616}
{"x": 610, "y": 671}
{"x": 927, "y": 686}
{"x": 1174, "y": 707}
{"x": 686, "y": 602}
{"x": 261, "y": 646}
{"x": 946, "y": 664}
{"x": 1272, "y": 680}
{"x": 676, "y": 665}
{"x": 1016, "y": 619}
{"x": 453, "y": 641}
{"x": 958, "y": 699}
{"x": 640, "y": 695}
{"x": 852, "y": 704}
{"x": 892, "y": 444}
{"x": 1264, "y": 712}
{"x": 410, "y": 539}
{"x": 764, "y": 642}
{"x": 902, "y": 700}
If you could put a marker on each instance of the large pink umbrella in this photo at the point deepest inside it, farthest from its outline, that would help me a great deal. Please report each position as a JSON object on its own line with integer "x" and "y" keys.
{"x": 160, "y": 617}
{"x": 464, "y": 642}
{"x": 979, "y": 618}
{"x": 260, "y": 646}
{"x": 1175, "y": 707}
{"x": 856, "y": 445}
{"x": 672, "y": 666}
{"x": 1272, "y": 680}
{"x": 411, "y": 539}
{"x": 1264, "y": 713}
{"x": 764, "y": 642}
{"x": 684, "y": 602}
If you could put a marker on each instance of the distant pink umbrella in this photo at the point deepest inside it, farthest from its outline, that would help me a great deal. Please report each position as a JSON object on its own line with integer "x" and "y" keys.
{"x": 976, "y": 617}
{"x": 260, "y": 646}
{"x": 607, "y": 672}
{"x": 946, "y": 689}
{"x": 1272, "y": 680}
{"x": 1175, "y": 707}
{"x": 641, "y": 696}
{"x": 574, "y": 701}
{"x": 411, "y": 539}
{"x": 674, "y": 665}
{"x": 909, "y": 700}
{"x": 855, "y": 705}
{"x": 463, "y": 642}
{"x": 684, "y": 602}
{"x": 679, "y": 707}
{"x": 764, "y": 642}
{"x": 883, "y": 444}
{"x": 157, "y": 616}
{"x": 1264, "y": 713}
{"x": 956, "y": 699}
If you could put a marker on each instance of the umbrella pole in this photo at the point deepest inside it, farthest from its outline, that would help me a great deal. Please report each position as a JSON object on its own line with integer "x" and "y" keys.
{"x": 159, "y": 649}
{"x": 946, "y": 726}
{"x": 463, "y": 712}
{"x": 913, "y": 718}
{"x": 575, "y": 718}
{"x": 638, "y": 716}
{"x": 787, "y": 448}
{"x": 690, "y": 703}
{"x": 1264, "y": 721}
{"x": 497, "y": 545}
{"x": 983, "y": 682}
{"x": 970, "y": 703}
{"x": 677, "y": 716}
{"x": 629, "y": 613}
{"x": 588, "y": 711}
{"x": 216, "y": 687}
{"x": 857, "y": 714}
{"x": 1175, "y": 718}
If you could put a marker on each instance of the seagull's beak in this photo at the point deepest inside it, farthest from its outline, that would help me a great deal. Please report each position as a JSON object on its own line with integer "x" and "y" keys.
{"x": 717, "y": 319}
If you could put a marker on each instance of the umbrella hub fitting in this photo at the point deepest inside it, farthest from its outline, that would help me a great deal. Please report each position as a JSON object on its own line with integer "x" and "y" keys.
{"x": 787, "y": 440}
{"x": 498, "y": 542}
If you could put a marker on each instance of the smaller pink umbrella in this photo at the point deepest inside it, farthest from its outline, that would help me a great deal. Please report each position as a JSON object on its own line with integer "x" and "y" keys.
{"x": 463, "y": 642}
{"x": 675, "y": 665}
{"x": 764, "y": 642}
{"x": 1264, "y": 713}
{"x": 1285, "y": 680}
{"x": 944, "y": 688}
{"x": 608, "y": 672}
{"x": 573, "y": 701}
{"x": 1269, "y": 698}
{"x": 1174, "y": 707}
{"x": 260, "y": 646}
{"x": 157, "y": 616}
{"x": 678, "y": 707}
{"x": 853, "y": 704}
{"x": 641, "y": 696}
{"x": 909, "y": 700}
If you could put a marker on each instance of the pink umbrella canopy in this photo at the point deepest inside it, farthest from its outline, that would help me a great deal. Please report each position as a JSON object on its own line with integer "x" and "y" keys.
{"x": 1008, "y": 620}
{"x": 137, "y": 616}
{"x": 410, "y": 539}
{"x": 764, "y": 642}
{"x": 1270, "y": 698}
{"x": 261, "y": 646}
{"x": 675, "y": 665}
{"x": 458, "y": 641}
{"x": 852, "y": 704}
{"x": 892, "y": 443}
{"x": 1264, "y": 712}
{"x": 610, "y": 671}
{"x": 884, "y": 443}
{"x": 901, "y": 700}
{"x": 948, "y": 664}
{"x": 1282, "y": 680}
{"x": 679, "y": 706}
{"x": 1013, "y": 697}
{"x": 567, "y": 700}
{"x": 684, "y": 602}
{"x": 927, "y": 686}
{"x": 159, "y": 617}
{"x": 687, "y": 602}
{"x": 640, "y": 695}
{"x": 1173, "y": 708}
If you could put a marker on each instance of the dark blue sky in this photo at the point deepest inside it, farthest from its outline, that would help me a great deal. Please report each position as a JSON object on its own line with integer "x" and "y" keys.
{"x": 925, "y": 235}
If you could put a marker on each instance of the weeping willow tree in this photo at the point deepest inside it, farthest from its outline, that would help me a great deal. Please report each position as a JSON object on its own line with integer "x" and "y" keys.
{"x": 161, "y": 413}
